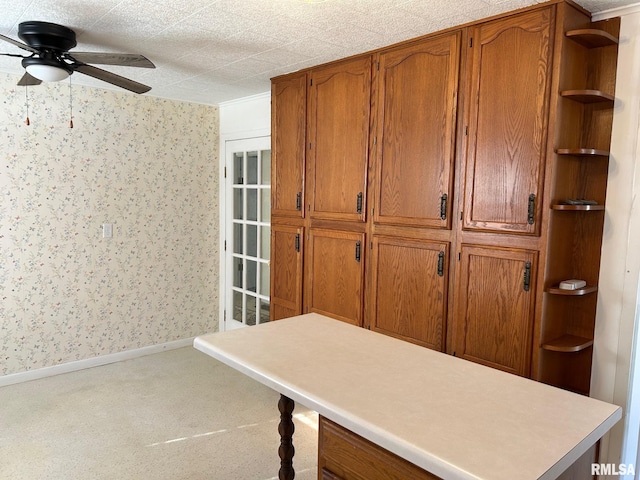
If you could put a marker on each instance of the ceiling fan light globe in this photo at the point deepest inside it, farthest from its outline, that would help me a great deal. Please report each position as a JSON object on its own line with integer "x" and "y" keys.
{"x": 47, "y": 73}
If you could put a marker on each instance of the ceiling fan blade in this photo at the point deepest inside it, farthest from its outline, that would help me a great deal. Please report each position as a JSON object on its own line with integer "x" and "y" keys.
{"x": 29, "y": 80}
{"x": 124, "y": 59}
{"x": 21, "y": 45}
{"x": 111, "y": 78}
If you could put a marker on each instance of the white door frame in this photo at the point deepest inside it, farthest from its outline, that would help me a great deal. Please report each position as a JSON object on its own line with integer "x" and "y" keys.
{"x": 230, "y": 145}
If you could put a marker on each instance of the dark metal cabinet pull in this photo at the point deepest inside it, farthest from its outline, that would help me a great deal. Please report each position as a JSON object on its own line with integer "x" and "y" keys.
{"x": 359, "y": 203}
{"x": 532, "y": 208}
{"x": 443, "y": 206}
{"x": 358, "y": 247}
{"x": 441, "y": 264}
{"x": 527, "y": 276}
{"x": 297, "y": 242}
{"x": 299, "y": 201}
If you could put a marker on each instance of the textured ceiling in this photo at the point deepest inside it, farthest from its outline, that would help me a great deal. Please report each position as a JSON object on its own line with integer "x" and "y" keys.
{"x": 210, "y": 51}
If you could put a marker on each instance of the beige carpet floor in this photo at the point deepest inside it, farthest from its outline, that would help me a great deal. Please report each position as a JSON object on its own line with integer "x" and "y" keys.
{"x": 174, "y": 415}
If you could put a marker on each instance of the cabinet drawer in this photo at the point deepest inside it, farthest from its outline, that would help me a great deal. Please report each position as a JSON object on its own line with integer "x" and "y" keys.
{"x": 344, "y": 455}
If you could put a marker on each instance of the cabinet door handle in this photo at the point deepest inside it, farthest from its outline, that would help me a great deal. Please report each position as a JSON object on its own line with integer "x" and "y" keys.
{"x": 441, "y": 264}
{"x": 527, "y": 276}
{"x": 532, "y": 208}
{"x": 299, "y": 201}
{"x": 297, "y": 242}
{"x": 443, "y": 206}
{"x": 359, "y": 203}
{"x": 358, "y": 248}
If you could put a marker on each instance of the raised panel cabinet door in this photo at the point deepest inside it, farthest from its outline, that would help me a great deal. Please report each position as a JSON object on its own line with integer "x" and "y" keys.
{"x": 417, "y": 103}
{"x": 511, "y": 67}
{"x": 288, "y": 130}
{"x": 286, "y": 271}
{"x": 336, "y": 274}
{"x": 339, "y": 104}
{"x": 495, "y": 307}
{"x": 409, "y": 281}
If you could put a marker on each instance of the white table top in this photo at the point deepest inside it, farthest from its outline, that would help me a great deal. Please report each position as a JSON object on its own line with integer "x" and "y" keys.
{"x": 454, "y": 418}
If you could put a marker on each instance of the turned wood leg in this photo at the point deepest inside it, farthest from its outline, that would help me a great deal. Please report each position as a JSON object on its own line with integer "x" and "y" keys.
{"x": 286, "y": 428}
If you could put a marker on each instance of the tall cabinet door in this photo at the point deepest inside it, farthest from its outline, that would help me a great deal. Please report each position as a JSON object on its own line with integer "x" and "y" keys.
{"x": 409, "y": 289}
{"x": 335, "y": 285}
{"x": 511, "y": 75}
{"x": 495, "y": 307}
{"x": 417, "y": 101}
{"x": 339, "y": 104}
{"x": 288, "y": 130}
{"x": 286, "y": 271}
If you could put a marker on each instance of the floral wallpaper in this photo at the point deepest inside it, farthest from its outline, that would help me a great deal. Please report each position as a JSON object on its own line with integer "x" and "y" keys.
{"x": 146, "y": 165}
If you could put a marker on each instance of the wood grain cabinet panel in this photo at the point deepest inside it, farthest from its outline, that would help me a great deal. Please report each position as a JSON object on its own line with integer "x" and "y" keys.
{"x": 495, "y": 307}
{"x": 339, "y": 99}
{"x": 510, "y": 62}
{"x": 288, "y": 131}
{"x": 416, "y": 116}
{"x": 286, "y": 271}
{"x": 335, "y": 285}
{"x": 344, "y": 455}
{"x": 409, "y": 282}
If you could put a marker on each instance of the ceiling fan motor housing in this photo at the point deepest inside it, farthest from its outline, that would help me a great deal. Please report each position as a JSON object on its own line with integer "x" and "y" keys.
{"x": 45, "y": 35}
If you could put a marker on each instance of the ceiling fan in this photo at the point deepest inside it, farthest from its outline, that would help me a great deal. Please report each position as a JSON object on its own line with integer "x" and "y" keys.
{"x": 50, "y": 60}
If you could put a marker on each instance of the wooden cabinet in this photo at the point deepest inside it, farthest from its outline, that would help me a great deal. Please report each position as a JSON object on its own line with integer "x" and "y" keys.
{"x": 494, "y": 315}
{"x": 417, "y": 91}
{"x": 510, "y": 77}
{"x": 288, "y": 131}
{"x": 343, "y": 455}
{"x": 336, "y": 274}
{"x": 339, "y": 98}
{"x": 466, "y": 145}
{"x": 287, "y": 244}
{"x": 409, "y": 289}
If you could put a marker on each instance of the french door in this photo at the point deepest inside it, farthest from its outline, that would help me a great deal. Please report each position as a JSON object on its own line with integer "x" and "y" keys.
{"x": 247, "y": 232}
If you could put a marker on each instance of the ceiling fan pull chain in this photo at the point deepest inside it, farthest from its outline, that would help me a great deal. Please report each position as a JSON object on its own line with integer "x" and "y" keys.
{"x": 26, "y": 99}
{"x": 70, "y": 105}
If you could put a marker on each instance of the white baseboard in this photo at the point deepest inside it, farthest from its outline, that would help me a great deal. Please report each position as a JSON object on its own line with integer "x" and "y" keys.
{"x": 91, "y": 362}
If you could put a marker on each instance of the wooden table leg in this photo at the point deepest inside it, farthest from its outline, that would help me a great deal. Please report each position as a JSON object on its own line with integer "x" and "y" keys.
{"x": 286, "y": 429}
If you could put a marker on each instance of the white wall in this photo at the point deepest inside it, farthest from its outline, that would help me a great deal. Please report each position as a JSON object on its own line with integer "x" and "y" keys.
{"x": 245, "y": 118}
{"x": 616, "y": 321}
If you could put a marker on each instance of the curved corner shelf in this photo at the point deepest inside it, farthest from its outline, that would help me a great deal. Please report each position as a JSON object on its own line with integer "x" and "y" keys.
{"x": 588, "y": 96}
{"x": 577, "y": 208}
{"x": 592, "y": 37}
{"x": 580, "y": 291}
{"x": 568, "y": 344}
{"x": 582, "y": 152}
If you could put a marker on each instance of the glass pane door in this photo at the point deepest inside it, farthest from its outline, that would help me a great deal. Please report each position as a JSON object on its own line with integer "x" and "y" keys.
{"x": 248, "y": 186}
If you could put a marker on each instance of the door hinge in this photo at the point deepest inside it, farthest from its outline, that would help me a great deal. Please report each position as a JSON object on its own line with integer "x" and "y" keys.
{"x": 359, "y": 203}
{"x": 358, "y": 244}
{"x": 441, "y": 264}
{"x": 225, "y": 245}
{"x": 443, "y": 206}
{"x": 298, "y": 200}
{"x": 531, "y": 209}
{"x": 470, "y": 42}
{"x": 297, "y": 242}
{"x": 459, "y": 256}
{"x": 378, "y": 66}
{"x": 527, "y": 276}
{"x": 225, "y": 172}
{"x": 466, "y": 130}
{"x": 311, "y": 82}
